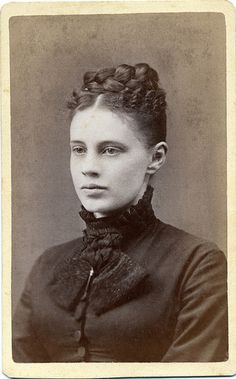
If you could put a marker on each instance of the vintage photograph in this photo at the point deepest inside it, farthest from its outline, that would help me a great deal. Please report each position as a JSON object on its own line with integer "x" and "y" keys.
{"x": 118, "y": 153}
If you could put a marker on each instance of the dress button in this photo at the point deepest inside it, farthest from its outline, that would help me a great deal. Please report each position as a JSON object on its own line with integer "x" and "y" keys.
{"x": 77, "y": 335}
{"x": 81, "y": 351}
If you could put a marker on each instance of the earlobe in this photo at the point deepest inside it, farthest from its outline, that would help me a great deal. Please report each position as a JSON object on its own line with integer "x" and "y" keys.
{"x": 158, "y": 157}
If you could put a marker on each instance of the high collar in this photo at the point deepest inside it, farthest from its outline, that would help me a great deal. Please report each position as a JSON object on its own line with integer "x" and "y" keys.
{"x": 131, "y": 221}
{"x": 117, "y": 278}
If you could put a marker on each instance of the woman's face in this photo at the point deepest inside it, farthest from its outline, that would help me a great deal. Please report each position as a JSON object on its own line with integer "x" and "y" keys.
{"x": 108, "y": 162}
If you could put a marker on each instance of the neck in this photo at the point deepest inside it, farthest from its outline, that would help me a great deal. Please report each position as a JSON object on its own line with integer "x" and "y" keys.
{"x": 131, "y": 221}
{"x": 126, "y": 207}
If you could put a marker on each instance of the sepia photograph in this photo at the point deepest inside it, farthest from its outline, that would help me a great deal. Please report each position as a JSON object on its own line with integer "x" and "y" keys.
{"x": 118, "y": 224}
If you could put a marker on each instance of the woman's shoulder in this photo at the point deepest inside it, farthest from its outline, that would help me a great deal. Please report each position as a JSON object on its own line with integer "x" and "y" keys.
{"x": 183, "y": 243}
{"x": 188, "y": 258}
{"x": 54, "y": 254}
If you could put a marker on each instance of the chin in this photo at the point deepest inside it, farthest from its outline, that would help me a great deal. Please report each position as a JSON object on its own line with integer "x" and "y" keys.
{"x": 101, "y": 207}
{"x": 96, "y": 206}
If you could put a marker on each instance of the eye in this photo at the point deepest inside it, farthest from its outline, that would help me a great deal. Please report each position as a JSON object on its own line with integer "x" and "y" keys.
{"x": 111, "y": 150}
{"x": 78, "y": 150}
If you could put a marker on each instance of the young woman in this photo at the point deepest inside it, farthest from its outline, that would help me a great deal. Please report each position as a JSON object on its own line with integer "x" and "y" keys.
{"x": 133, "y": 288}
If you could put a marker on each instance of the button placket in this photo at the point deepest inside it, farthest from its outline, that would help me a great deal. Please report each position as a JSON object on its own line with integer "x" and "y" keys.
{"x": 80, "y": 315}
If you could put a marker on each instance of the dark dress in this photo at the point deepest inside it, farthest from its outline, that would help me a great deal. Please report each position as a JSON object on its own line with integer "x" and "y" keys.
{"x": 133, "y": 289}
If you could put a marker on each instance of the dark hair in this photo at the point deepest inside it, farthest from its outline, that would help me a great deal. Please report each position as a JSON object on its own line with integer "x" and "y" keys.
{"x": 131, "y": 90}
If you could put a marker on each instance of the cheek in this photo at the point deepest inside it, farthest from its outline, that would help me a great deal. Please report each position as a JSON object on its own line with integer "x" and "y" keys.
{"x": 131, "y": 170}
{"x": 74, "y": 170}
{"x": 137, "y": 164}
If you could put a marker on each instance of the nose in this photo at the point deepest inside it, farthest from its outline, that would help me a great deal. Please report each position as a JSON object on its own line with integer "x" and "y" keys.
{"x": 90, "y": 165}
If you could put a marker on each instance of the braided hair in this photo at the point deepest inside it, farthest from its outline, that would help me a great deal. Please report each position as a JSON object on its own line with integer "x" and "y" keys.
{"x": 130, "y": 90}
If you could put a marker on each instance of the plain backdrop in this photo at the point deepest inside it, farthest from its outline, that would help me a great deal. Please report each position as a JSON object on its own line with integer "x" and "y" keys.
{"x": 48, "y": 56}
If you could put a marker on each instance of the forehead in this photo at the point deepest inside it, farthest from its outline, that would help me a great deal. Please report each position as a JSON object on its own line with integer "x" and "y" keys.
{"x": 93, "y": 124}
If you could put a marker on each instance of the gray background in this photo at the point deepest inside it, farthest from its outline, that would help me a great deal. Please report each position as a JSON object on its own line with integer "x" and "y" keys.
{"x": 48, "y": 56}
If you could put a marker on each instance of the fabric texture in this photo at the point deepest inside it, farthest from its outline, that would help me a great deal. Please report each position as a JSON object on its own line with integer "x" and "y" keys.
{"x": 133, "y": 289}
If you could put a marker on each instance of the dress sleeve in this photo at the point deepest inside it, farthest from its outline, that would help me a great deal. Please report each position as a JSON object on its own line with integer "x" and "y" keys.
{"x": 201, "y": 330}
{"x": 25, "y": 345}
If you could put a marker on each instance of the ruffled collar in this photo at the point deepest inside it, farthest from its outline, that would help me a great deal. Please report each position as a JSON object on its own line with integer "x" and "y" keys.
{"x": 116, "y": 277}
{"x": 129, "y": 222}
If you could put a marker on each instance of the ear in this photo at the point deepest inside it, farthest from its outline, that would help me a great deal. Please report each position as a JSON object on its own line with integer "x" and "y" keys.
{"x": 158, "y": 157}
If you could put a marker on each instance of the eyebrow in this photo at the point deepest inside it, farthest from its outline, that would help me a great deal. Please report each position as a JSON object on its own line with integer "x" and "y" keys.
{"x": 102, "y": 143}
{"x": 77, "y": 141}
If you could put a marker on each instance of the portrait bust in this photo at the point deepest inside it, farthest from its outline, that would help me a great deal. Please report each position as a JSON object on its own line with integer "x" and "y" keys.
{"x": 133, "y": 288}
{"x": 119, "y": 201}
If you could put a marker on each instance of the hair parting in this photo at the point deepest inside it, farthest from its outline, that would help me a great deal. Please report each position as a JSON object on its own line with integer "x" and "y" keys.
{"x": 130, "y": 90}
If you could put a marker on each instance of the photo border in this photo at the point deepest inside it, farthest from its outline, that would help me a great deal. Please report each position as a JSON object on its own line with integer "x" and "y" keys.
{"x": 110, "y": 370}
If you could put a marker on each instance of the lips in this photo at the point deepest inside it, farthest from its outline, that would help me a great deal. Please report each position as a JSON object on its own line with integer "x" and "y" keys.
{"x": 92, "y": 186}
{"x": 93, "y": 190}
